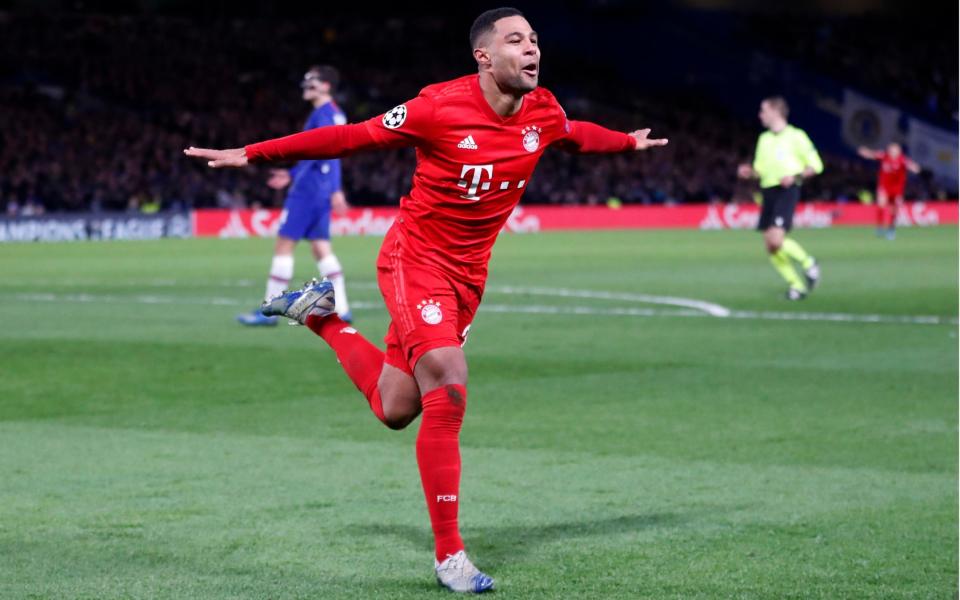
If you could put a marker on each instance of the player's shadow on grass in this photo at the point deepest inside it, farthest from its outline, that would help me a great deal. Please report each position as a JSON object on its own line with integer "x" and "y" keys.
{"x": 502, "y": 544}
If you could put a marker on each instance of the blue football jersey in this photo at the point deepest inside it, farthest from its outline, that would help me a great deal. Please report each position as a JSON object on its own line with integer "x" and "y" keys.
{"x": 317, "y": 179}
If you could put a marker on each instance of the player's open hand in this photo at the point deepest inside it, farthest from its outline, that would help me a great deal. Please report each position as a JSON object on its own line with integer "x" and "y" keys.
{"x": 338, "y": 202}
{"x": 643, "y": 142}
{"x": 234, "y": 157}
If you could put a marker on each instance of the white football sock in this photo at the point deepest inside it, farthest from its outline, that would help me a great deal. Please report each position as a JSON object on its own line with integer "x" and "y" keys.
{"x": 330, "y": 268}
{"x": 281, "y": 272}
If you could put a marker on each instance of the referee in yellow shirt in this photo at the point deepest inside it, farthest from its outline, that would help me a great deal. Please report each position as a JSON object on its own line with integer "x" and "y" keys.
{"x": 785, "y": 156}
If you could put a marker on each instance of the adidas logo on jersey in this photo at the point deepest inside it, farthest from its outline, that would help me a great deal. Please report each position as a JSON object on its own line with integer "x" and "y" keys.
{"x": 467, "y": 143}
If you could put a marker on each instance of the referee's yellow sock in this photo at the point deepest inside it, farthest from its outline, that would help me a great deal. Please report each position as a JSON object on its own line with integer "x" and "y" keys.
{"x": 797, "y": 253}
{"x": 781, "y": 262}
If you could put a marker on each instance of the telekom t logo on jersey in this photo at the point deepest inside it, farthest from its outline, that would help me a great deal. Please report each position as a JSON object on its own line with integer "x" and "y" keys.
{"x": 473, "y": 176}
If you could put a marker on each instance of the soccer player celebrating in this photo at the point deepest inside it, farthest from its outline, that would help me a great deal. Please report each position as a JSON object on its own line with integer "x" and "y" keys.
{"x": 478, "y": 139}
{"x": 891, "y": 182}
{"x": 314, "y": 190}
{"x": 784, "y": 157}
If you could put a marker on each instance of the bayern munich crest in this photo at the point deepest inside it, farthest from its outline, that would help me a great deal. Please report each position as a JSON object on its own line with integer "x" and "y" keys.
{"x": 395, "y": 117}
{"x": 430, "y": 312}
{"x": 531, "y": 138}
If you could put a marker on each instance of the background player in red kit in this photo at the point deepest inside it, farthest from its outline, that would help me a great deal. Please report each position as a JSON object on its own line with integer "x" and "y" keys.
{"x": 891, "y": 182}
{"x": 478, "y": 139}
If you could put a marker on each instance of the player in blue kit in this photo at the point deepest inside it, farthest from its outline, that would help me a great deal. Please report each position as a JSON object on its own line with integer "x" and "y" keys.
{"x": 314, "y": 189}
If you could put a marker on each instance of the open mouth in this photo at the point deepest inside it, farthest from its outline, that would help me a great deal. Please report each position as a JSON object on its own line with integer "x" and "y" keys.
{"x": 531, "y": 69}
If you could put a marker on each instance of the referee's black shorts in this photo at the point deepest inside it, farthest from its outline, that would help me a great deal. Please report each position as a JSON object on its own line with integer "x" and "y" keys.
{"x": 778, "y": 205}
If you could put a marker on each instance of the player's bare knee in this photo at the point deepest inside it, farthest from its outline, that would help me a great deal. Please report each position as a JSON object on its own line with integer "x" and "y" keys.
{"x": 446, "y": 376}
{"x": 397, "y": 424}
{"x": 321, "y": 249}
{"x": 284, "y": 246}
{"x": 398, "y": 420}
{"x": 773, "y": 239}
{"x": 400, "y": 398}
{"x": 441, "y": 367}
{"x": 400, "y": 411}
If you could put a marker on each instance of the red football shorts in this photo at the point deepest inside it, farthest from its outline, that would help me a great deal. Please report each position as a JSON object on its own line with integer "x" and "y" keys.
{"x": 428, "y": 308}
{"x": 893, "y": 190}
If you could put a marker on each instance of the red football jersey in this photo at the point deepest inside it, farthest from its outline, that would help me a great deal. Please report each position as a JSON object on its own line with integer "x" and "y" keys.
{"x": 893, "y": 171}
{"x": 472, "y": 168}
{"x": 472, "y": 164}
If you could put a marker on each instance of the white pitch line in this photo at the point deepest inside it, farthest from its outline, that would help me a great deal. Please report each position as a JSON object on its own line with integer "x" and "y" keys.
{"x": 714, "y": 310}
{"x": 527, "y": 309}
{"x": 843, "y": 317}
{"x": 739, "y": 314}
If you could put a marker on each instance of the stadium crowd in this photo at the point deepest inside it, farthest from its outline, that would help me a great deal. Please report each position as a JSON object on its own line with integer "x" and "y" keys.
{"x": 879, "y": 55}
{"x": 94, "y": 111}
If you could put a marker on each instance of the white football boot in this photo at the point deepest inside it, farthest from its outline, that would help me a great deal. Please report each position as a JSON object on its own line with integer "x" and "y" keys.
{"x": 458, "y": 574}
{"x": 812, "y": 275}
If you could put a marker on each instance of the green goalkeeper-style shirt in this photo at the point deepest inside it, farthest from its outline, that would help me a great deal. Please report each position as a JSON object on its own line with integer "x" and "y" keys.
{"x": 786, "y": 153}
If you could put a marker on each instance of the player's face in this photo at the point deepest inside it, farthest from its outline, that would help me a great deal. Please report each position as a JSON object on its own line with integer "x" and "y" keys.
{"x": 514, "y": 54}
{"x": 768, "y": 115}
{"x": 312, "y": 87}
{"x": 893, "y": 150}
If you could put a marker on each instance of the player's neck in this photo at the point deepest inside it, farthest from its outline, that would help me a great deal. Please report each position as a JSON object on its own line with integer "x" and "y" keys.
{"x": 778, "y": 127}
{"x": 503, "y": 102}
{"x": 320, "y": 100}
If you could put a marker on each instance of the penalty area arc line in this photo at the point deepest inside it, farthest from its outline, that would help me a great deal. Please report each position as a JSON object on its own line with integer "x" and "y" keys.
{"x": 710, "y": 308}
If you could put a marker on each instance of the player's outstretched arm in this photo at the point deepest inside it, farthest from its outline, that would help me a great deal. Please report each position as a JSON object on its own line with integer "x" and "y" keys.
{"x": 586, "y": 137}
{"x": 319, "y": 143}
{"x": 867, "y": 153}
{"x": 407, "y": 124}
{"x": 912, "y": 166}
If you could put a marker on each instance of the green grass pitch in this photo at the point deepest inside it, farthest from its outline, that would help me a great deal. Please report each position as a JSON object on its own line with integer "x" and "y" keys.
{"x": 150, "y": 447}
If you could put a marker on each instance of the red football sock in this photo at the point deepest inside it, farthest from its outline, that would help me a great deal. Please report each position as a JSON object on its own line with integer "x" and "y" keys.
{"x": 438, "y": 457}
{"x": 360, "y": 359}
{"x": 881, "y": 216}
{"x": 892, "y": 217}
